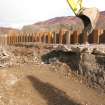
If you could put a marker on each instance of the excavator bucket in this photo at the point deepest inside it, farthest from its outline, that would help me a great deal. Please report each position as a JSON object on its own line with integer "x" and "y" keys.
{"x": 89, "y": 17}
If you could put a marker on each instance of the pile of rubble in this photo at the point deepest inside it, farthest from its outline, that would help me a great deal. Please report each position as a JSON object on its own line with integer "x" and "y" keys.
{"x": 16, "y": 56}
{"x": 4, "y": 57}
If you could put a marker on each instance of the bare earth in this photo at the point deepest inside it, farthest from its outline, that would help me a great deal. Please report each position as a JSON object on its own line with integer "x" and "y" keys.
{"x": 31, "y": 84}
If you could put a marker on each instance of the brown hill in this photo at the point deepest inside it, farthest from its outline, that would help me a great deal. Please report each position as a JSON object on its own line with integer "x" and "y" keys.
{"x": 4, "y": 30}
{"x": 70, "y": 22}
{"x": 101, "y": 20}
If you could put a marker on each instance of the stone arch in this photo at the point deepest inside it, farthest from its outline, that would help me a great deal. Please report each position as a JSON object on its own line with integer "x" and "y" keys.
{"x": 46, "y": 37}
{"x": 102, "y": 37}
{"x": 79, "y": 36}
{"x": 30, "y": 37}
{"x": 34, "y": 37}
{"x": 37, "y": 37}
{"x": 96, "y": 36}
{"x": 56, "y": 37}
{"x": 74, "y": 37}
{"x": 61, "y": 36}
{"x": 42, "y": 37}
{"x": 64, "y": 37}
{"x": 90, "y": 37}
{"x": 68, "y": 37}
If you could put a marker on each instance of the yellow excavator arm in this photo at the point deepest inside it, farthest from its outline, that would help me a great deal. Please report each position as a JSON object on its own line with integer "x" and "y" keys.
{"x": 76, "y": 5}
{"x": 89, "y": 16}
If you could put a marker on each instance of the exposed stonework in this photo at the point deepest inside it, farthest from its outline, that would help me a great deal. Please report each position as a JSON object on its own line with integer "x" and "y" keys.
{"x": 59, "y": 37}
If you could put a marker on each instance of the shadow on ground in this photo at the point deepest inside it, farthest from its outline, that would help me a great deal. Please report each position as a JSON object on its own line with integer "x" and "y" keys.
{"x": 51, "y": 94}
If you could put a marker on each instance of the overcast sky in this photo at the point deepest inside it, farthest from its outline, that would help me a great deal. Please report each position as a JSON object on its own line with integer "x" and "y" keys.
{"x": 16, "y": 13}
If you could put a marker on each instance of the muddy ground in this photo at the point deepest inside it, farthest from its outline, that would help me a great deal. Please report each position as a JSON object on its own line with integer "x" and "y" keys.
{"x": 28, "y": 80}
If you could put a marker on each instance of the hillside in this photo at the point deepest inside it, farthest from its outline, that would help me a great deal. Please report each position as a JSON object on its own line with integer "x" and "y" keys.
{"x": 4, "y": 30}
{"x": 69, "y": 22}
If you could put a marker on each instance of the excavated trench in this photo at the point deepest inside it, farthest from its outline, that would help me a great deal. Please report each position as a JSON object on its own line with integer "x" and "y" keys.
{"x": 91, "y": 67}
{"x": 49, "y": 78}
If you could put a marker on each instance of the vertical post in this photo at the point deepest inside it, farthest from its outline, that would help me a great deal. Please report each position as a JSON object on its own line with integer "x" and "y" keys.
{"x": 49, "y": 37}
{"x": 61, "y": 36}
{"x": 17, "y": 38}
{"x": 85, "y": 37}
{"x": 6, "y": 40}
{"x": 96, "y": 36}
{"x": 68, "y": 34}
{"x": 39, "y": 35}
{"x": 52, "y": 35}
{"x": 76, "y": 40}
{"x": 32, "y": 35}
{"x": 44, "y": 37}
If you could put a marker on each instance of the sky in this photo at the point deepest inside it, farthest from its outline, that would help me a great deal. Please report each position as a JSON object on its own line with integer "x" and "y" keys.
{"x": 16, "y": 13}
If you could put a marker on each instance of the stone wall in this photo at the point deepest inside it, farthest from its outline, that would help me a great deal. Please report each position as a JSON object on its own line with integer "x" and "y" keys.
{"x": 58, "y": 37}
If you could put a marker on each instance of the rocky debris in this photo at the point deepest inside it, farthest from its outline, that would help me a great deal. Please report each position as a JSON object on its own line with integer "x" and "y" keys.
{"x": 25, "y": 55}
{"x": 4, "y": 57}
{"x": 7, "y": 79}
{"x": 16, "y": 89}
{"x": 13, "y": 56}
{"x": 90, "y": 67}
{"x": 87, "y": 63}
{"x": 89, "y": 48}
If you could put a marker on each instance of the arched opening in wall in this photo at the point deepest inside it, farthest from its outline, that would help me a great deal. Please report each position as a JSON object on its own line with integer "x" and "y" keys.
{"x": 29, "y": 38}
{"x": 90, "y": 37}
{"x": 14, "y": 39}
{"x": 8, "y": 39}
{"x": 83, "y": 38}
{"x": 94, "y": 37}
{"x": 11, "y": 39}
{"x": 52, "y": 38}
{"x": 22, "y": 38}
{"x": 73, "y": 38}
{"x": 33, "y": 37}
{"x": 46, "y": 39}
{"x": 25, "y": 37}
{"x": 19, "y": 39}
{"x": 102, "y": 38}
{"x": 57, "y": 38}
{"x": 80, "y": 38}
{"x": 42, "y": 38}
{"x": 64, "y": 38}
{"x": 39, "y": 35}
{"x": 37, "y": 38}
